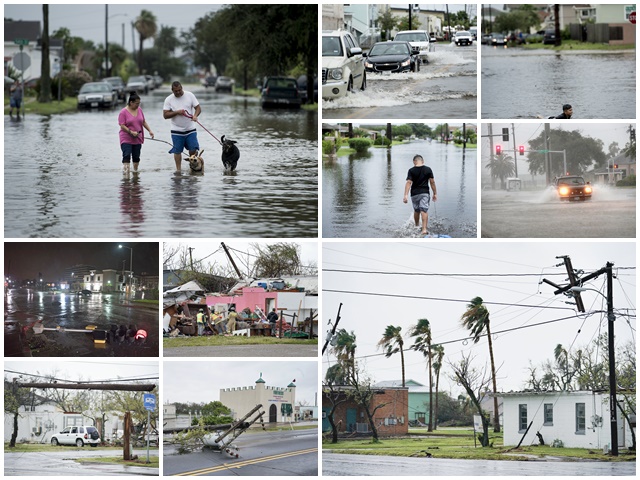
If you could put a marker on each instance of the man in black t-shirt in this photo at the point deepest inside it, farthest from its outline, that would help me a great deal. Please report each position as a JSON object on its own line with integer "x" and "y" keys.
{"x": 419, "y": 178}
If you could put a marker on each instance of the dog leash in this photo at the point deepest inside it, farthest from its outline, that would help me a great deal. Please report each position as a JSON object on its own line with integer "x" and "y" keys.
{"x": 188, "y": 115}
{"x": 156, "y": 140}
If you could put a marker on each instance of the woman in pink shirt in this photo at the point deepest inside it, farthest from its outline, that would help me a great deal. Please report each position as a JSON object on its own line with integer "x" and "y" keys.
{"x": 131, "y": 120}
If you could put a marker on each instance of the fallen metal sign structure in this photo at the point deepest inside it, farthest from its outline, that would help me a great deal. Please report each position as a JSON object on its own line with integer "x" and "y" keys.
{"x": 222, "y": 437}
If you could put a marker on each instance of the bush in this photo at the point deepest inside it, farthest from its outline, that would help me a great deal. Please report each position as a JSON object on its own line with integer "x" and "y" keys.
{"x": 380, "y": 140}
{"x": 327, "y": 147}
{"x": 75, "y": 81}
{"x": 557, "y": 443}
{"x": 629, "y": 181}
{"x": 359, "y": 144}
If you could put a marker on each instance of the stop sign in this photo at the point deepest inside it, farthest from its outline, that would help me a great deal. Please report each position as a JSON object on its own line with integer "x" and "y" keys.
{"x": 21, "y": 61}
{"x": 632, "y": 17}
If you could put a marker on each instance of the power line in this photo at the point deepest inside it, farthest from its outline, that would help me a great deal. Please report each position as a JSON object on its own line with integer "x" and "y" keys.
{"x": 441, "y": 274}
{"x": 415, "y": 297}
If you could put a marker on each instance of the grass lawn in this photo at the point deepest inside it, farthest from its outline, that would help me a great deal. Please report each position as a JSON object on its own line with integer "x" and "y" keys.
{"x": 30, "y": 106}
{"x": 459, "y": 443}
{"x": 46, "y": 447}
{"x": 215, "y": 340}
{"x": 576, "y": 45}
{"x": 154, "y": 461}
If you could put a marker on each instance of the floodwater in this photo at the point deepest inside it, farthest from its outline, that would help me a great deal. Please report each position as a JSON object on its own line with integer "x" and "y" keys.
{"x": 24, "y": 307}
{"x": 63, "y": 175}
{"x": 444, "y": 88}
{"x": 362, "y": 195}
{"x": 519, "y": 83}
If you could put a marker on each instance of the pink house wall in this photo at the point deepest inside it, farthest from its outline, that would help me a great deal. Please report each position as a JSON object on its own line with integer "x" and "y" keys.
{"x": 250, "y": 298}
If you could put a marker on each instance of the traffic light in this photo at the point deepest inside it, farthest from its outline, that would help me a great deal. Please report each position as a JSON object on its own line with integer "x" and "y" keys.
{"x": 505, "y": 134}
{"x": 498, "y": 149}
{"x": 615, "y": 165}
{"x": 521, "y": 149}
{"x": 633, "y": 135}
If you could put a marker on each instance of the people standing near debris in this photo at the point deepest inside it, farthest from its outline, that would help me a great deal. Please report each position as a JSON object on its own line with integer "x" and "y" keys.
{"x": 200, "y": 322}
{"x": 419, "y": 178}
{"x": 15, "y": 99}
{"x": 183, "y": 109}
{"x": 272, "y": 317}
{"x": 132, "y": 122}
{"x": 217, "y": 321}
{"x": 231, "y": 323}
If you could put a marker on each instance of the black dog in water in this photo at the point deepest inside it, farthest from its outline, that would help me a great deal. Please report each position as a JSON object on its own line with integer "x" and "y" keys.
{"x": 230, "y": 154}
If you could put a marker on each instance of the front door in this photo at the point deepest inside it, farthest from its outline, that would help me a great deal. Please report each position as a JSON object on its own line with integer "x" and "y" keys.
{"x": 352, "y": 419}
{"x": 273, "y": 413}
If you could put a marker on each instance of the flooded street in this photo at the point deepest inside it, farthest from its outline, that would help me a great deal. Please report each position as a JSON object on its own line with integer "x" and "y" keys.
{"x": 519, "y": 83}
{"x": 24, "y": 307}
{"x": 444, "y": 88}
{"x": 362, "y": 196}
{"x": 611, "y": 213}
{"x": 63, "y": 175}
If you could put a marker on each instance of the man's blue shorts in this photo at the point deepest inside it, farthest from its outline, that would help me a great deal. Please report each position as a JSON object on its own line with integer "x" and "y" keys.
{"x": 182, "y": 140}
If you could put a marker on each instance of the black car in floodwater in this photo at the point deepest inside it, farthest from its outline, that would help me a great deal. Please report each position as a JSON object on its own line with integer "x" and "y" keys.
{"x": 392, "y": 57}
{"x": 280, "y": 92}
{"x": 572, "y": 187}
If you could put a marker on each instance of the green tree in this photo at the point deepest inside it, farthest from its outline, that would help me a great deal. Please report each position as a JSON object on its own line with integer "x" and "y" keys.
{"x": 147, "y": 27}
{"x": 421, "y": 332}
{"x": 438, "y": 354}
{"x": 476, "y": 320}
{"x": 14, "y": 399}
{"x": 387, "y": 22}
{"x": 502, "y": 167}
{"x": 277, "y": 260}
{"x": 214, "y": 413}
{"x": 345, "y": 351}
{"x": 582, "y": 153}
{"x": 402, "y": 130}
{"x": 392, "y": 343}
{"x": 403, "y": 23}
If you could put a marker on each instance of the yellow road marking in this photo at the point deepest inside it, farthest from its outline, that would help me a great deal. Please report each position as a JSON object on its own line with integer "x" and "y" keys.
{"x": 245, "y": 463}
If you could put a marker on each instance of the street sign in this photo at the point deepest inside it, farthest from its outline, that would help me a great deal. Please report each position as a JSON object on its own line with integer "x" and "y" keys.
{"x": 632, "y": 17}
{"x": 149, "y": 401}
{"x": 21, "y": 61}
{"x": 21, "y": 41}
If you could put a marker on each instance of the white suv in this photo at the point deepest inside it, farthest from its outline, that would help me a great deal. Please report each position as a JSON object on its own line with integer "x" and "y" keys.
{"x": 78, "y": 435}
{"x": 418, "y": 39}
{"x": 342, "y": 64}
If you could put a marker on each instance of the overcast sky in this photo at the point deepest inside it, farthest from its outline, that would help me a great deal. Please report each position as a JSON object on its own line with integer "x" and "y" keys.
{"x": 211, "y": 251}
{"x": 201, "y": 380}
{"x": 25, "y": 260}
{"x": 87, "y": 369}
{"x": 368, "y": 316}
{"x": 607, "y": 132}
{"x": 87, "y": 21}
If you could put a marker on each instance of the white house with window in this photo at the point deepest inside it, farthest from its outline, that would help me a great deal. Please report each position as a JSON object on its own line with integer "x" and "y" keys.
{"x": 580, "y": 419}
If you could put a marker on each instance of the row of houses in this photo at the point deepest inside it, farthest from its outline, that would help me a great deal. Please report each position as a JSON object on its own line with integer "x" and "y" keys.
{"x": 578, "y": 419}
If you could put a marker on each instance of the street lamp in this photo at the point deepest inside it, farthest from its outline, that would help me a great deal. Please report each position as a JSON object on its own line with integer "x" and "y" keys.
{"x": 130, "y": 265}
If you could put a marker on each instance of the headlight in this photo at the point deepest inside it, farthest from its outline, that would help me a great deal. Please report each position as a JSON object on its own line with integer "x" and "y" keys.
{"x": 81, "y": 98}
{"x": 564, "y": 191}
{"x": 587, "y": 189}
{"x": 336, "y": 73}
{"x": 368, "y": 64}
{"x": 406, "y": 63}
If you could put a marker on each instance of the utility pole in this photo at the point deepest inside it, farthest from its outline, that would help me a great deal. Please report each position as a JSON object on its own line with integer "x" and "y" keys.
{"x": 226, "y": 250}
{"x": 333, "y": 330}
{"x": 547, "y": 161}
{"x": 191, "y": 257}
{"x": 573, "y": 289}
{"x": 515, "y": 151}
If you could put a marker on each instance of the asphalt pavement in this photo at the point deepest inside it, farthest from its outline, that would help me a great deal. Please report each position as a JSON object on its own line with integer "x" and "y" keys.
{"x": 348, "y": 465}
{"x": 283, "y": 453}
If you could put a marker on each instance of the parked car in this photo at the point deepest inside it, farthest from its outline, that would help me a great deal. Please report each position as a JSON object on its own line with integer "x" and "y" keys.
{"x": 280, "y": 92}
{"x": 209, "y": 81}
{"x": 302, "y": 88}
{"x": 432, "y": 37}
{"x": 96, "y": 95}
{"x": 463, "y": 38}
{"x": 342, "y": 65}
{"x": 77, "y": 435}
{"x": 498, "y": 39}
{"x": 573, "y": 187}
{"x": 485, "y": 39}
{"x": 549, "y": 37}
{"x": 393, "y": 57}
{"x": 224, "y": 84}
{"x": 138, "y": 84}
{"x": 118, "y": 86}
{"x": 151, "y": 83}
{"x": 417, "y": 39}
{"x": 157, "y": 79}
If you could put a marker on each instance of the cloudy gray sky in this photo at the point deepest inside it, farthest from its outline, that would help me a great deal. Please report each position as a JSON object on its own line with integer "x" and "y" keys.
{"x": 514, "y": 302}
{"x": 88, "y": 21}
{"x": 212, "y": 252}
{"x": 607, "y": 132}
{"x": 86, "y": 369}
{"x": 201, "y": 380}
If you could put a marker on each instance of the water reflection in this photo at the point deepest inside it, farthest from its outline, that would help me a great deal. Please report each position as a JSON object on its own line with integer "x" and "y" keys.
{"x": 77, "y": 188}
{"x": 362, "y": 194}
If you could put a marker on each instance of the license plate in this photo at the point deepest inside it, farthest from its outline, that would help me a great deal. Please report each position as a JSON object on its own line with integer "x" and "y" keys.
{"x": 94, "y": 104}
{"x": 577, "y": 197}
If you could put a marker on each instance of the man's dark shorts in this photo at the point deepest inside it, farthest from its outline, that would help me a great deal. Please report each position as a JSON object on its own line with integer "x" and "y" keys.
{"x": 421, "y": 202}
